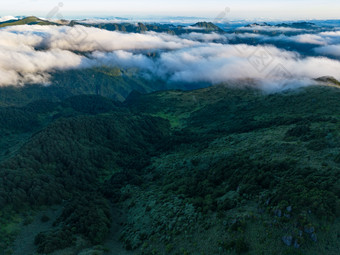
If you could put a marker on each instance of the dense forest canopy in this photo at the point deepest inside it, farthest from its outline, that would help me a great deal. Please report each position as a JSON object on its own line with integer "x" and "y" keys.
{"x": 152, "y": 138}
{"x": 220, "y": 150}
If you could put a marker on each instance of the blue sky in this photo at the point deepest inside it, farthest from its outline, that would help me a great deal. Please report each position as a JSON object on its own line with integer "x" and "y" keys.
{"x": 239, "y": 9}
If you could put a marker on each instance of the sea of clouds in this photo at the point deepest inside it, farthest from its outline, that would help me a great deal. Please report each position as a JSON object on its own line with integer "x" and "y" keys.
{"x": 30, "y": 54}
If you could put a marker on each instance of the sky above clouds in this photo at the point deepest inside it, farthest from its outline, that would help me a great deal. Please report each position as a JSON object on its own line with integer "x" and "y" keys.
{"x": 239, "y": 9}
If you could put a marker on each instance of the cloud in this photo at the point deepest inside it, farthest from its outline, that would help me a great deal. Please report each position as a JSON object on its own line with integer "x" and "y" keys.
{"x": 87, "y": 39}
{"x": 194, "y": 28}
{"x": 329, "y": 42}
{"x": 21, "y": 63}
{"x": 7, "y": 18}
{"x": 322, "y": 38}
{"x": 29, "y": 54}
{"x": 267, "y": 67}
{"x": 216, "y": 63}
{"x": 104, "y": 20}
{"x": 122, "y": 59}
{"x": 29, "y": 66}
{"x": 202, "y": 37}
{"x": 308, "y": 38}
{"x": 329, "y": 50}
{"x": 331, "y": 34}
{"x": 270, "y": 29}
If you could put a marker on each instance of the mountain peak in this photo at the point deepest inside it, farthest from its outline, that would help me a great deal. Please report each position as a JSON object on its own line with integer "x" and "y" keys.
{"x": 329, "y": 80}
{"x": 207, "y": 26}
{"x": 30, "y": 20}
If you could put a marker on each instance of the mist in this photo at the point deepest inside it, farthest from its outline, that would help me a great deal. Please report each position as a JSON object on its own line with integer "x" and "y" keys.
{"x": 30, "y": 55}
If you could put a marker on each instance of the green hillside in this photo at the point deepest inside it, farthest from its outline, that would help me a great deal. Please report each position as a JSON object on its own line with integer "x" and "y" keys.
{"x": 113, "y": 83}
{"x": 208, "y": 26}
{"x": 26, "y": 21}
{"x": 209, "y": 171}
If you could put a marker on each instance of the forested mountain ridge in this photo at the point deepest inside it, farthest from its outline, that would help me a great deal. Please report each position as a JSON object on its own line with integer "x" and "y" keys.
{"x": 114, "y": 83}
{"x": 31, "y": 20}
{"x": 202, "y": 27}
{"x": 259, "y": 171}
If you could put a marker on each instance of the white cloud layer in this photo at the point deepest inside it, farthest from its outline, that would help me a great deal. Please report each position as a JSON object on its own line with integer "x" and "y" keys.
{"x": 28, "y": 54}
{"x": 271, "y": 29}
{"x": 7, "y": 18}
{"x": 205, "y": 37}
{"x": 329, "y": 50}
{"x": 324, "y": 38}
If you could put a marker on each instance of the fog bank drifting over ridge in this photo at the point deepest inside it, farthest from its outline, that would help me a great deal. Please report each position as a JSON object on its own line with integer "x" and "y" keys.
{"x": 29, "y": 54}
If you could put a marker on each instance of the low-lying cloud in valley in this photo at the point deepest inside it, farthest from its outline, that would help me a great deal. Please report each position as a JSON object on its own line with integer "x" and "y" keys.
{"x": 29, "y": 54}
{"x": 330, "y": 50}
{"x": 271, "y": 28}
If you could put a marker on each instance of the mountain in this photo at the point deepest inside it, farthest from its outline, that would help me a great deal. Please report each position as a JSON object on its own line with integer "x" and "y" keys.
{"x": 113, "y": 83}
{"x": 110, "y": 161}
{"x": 328, "y": 80}
{"x": 86, "y": 173}
{"x": 26, "y": 21}
{"x": 208, "y": 26}
{"x": 205, "y": 27}
{"x": 287, "y": 29}
{"x": 264, "y": 24}
{"x": 299, "y": 25}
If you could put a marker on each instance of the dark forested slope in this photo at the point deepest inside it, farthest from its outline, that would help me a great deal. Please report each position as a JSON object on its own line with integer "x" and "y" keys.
{"x": 211, "y": 171}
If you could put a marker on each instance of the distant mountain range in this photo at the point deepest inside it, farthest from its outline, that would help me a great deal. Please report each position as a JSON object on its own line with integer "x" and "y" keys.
{"x": 125, "y": 26}
{"x": 300, "y": 25}
{"x": 202, "y": 27}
